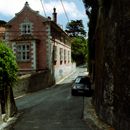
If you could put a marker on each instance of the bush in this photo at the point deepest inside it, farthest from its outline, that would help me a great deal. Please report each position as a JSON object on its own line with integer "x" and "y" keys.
{"x": 8, "y": 66}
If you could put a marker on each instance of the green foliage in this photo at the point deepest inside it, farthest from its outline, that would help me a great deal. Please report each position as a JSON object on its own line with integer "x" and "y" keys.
{"x": 8, "y": 66}
{"x": 91, "y": 7}
{"x": 75, "y": 28}
{"x": 79, "y": 50}
{"x": 2, "y": 23}
{"x": 79, "y": 47}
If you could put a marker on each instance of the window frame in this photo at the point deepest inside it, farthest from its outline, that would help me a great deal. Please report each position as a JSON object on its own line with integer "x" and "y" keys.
{"x": 26, "y": 28}
{"x": 23, "y": 52}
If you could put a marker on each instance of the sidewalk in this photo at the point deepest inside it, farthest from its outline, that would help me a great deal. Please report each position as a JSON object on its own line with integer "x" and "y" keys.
{"x": 91, "y": 118}
{"x": 10, "y": 121}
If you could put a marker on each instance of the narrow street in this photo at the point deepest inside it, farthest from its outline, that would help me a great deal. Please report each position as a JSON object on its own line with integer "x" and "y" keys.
{"x": 52, "y": 109}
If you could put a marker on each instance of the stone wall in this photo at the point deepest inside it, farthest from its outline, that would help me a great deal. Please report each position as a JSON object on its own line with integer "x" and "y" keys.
{"x": 31, "y": 83}
{"x": 40, "y": 80}
{"x": 112, "y": 75}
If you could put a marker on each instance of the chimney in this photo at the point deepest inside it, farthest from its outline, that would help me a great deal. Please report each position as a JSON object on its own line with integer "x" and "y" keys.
{"x": 54, "y": 15}
{"x": 26, "y": 4}
{"x": 49, "y": 18}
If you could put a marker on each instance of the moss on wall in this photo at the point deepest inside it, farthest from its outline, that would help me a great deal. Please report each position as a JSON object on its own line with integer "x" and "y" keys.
{"x": 112, "y": 62}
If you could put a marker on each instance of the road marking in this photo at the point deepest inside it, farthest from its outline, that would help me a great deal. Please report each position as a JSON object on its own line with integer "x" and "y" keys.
{"x": 20, "y": 96}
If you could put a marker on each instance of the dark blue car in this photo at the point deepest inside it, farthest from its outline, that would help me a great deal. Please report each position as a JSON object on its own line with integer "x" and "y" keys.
{"x": 81, "y": 85}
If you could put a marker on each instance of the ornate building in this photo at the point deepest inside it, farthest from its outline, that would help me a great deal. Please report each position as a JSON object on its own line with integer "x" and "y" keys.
{"x": 39, "y": 43}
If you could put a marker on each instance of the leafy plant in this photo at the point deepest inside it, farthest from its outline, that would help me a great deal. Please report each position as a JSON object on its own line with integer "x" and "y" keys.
{"x": 8, "y": 76}
{"x": 79, "y": 46}
{"x": 79, "y": 50}
{"x": 75, "y": 28}
{"x": 92, "y": 9}
{"x": 8, "y": 66}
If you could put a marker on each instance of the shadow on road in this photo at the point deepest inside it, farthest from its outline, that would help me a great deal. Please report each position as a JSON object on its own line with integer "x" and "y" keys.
{"x": 89, "y": 94}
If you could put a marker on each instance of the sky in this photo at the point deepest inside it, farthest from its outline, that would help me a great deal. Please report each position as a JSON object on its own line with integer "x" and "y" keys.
{"x": 75, "y": 10}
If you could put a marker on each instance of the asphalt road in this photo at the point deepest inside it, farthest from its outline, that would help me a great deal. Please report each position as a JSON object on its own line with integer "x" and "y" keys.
{"x": 51, "y": 109}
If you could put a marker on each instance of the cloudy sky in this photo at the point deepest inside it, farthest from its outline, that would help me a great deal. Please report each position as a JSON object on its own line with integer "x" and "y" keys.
{"x": 74, "y": 9}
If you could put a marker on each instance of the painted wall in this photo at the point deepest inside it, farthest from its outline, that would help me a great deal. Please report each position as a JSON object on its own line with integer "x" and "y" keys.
{"x": 63, "y": 71}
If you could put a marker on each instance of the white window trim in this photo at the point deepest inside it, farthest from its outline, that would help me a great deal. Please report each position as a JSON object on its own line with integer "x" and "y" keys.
{"x": 27, "y": 29}
{"x": 23, "y": 52}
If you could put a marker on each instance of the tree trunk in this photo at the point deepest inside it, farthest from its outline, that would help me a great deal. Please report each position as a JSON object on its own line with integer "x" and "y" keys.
{"x": 2, "y": 104}
{"x": 0, "y": 114}
{"x": 2, "y": 101}
{"x": 10, "y": 106}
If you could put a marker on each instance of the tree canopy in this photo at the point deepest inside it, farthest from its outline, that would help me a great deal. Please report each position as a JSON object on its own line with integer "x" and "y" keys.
{"x": 76, "y": 31}
{"x": 8, "y": 66}
{"x": 75, "y": 28}
{"x": 91, "y": 7}
{"x": 2, "y": 23}
{"x": 79, "y": 50}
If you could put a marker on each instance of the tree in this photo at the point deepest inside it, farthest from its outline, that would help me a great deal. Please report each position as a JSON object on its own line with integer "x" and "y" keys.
{"x": 79, "y": 50}
{"x": 8, "y": 76}
{"x": 2, "y": 23}
{"x": 92, "y": 8}
{"x": 75, "y": 28}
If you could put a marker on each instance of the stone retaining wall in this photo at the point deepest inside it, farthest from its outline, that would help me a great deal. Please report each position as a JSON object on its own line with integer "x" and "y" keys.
{"x": 109, "y": 36}
{"x": 40, "y": 80}
{"x": 33, "y": 82}
{"x": 112, "y": 78}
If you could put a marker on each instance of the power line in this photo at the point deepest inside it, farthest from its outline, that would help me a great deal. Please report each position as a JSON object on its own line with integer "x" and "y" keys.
{"x": 64, "y": 10}
{"x": 43, "y": 7}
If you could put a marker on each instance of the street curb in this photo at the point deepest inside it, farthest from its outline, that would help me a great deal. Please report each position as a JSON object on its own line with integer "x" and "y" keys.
{"x": 9, "y": 122}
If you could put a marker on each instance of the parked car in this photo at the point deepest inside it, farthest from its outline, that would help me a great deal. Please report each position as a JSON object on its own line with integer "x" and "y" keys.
{"x": 81, "y": 85}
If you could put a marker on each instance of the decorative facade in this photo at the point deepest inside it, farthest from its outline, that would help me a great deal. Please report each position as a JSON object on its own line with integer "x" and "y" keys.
{"x": 39, "y": 43}
{"x": 2, "y": 30}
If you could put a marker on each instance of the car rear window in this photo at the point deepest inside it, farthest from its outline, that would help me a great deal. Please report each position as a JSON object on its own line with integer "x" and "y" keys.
{"x": 82, "y": 80}
{"x": 77, "y": 80}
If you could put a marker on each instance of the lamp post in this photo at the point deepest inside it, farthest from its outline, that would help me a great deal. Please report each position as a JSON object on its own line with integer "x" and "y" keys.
{"x": 83, "y": 108}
